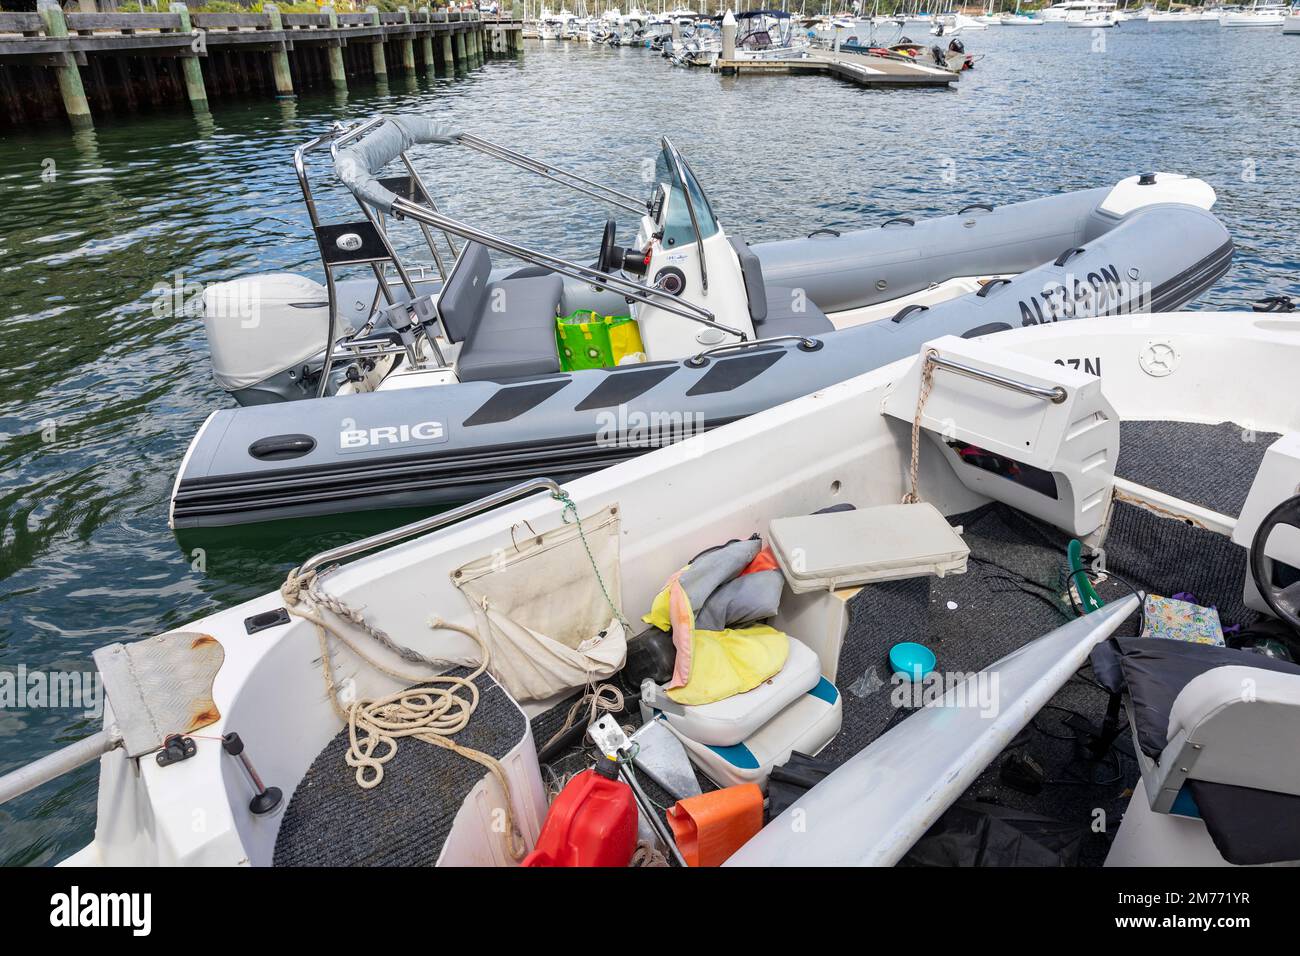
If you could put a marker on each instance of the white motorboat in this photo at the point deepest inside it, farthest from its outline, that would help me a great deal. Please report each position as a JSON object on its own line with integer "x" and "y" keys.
{"x": 1094, "y": 20}
{"x": 1262, "y": 16}
{"x": 1076, "y": 10}
{"x": 1291, "y": 25}
{"x": 556, "y": 26}
{"x": 1020, "y": 20}
{"x": 1186, "y": 15}
{"x": 1022, "y": 459}
{"x": 768, "y": 35}
{"x": 955, "y": 24}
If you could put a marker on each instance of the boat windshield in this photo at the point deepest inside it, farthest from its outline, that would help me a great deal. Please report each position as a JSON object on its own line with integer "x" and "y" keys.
{"x": 672, "y": 171}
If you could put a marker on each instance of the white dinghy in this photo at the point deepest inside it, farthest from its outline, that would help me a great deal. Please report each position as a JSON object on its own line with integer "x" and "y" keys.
{"x": 1079, "y": 466}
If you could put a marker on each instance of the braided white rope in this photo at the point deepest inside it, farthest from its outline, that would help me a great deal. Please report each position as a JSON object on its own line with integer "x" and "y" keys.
{"x": 913, "y": 496}
{"x": 433, "y": 712}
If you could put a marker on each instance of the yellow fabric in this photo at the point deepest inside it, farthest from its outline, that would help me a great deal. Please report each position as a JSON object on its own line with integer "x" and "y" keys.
{"x": 730, "y": 662}
{"x": 660, "y": 615}
{"x": 625, "y": 340}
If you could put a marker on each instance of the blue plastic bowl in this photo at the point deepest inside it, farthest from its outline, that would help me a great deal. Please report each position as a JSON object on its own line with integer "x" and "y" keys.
{"x": 911, "y": 660}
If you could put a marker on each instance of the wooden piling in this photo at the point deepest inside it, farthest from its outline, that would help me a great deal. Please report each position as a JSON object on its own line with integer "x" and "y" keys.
{"x": 377, "y": 48}
{"x": 448, "y": 57}
{"x": 406, "y": 45}
{"x": 190, "y": 68}
{"x": 338, "y": 75}
{"x": 426, "y": 41}
{"x": 71, "y": 91}
{"x": 279, "y": 56}
{"x": 462, "y": 57}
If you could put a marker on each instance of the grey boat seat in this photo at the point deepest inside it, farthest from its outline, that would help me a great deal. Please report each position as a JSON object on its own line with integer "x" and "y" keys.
{"x": 776, "y": 310}
{"x": 785, "y": 318}
{"x": 506, "y": 328}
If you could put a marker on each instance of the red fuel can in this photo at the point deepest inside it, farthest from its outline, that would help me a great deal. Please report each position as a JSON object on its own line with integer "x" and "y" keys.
{"x": 591, "y": 823}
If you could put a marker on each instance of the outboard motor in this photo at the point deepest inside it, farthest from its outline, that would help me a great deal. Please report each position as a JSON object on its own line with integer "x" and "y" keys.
{"x": 267, "y": 336}
{"x": 956, "y": 46}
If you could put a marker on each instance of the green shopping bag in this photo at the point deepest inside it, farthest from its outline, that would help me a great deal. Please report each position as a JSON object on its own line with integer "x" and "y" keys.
{"x": 586, "y": 339}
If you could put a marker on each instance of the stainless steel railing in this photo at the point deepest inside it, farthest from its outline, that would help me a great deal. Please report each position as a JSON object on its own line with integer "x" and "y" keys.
{"x": 432, "y": 523}
{"x": 1056, "y": 395}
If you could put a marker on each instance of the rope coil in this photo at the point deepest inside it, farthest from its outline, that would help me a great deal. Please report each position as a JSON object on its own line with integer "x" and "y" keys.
{"x": 433, "y": 712}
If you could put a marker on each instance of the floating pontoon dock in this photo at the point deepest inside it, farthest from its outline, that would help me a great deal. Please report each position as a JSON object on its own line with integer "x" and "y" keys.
{"x": 871, "y": 71}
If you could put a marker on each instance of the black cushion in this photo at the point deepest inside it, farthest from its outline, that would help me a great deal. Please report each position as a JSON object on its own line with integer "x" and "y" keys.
{"x": 1156, "y": 669}
{"x": 1249, "y": 826}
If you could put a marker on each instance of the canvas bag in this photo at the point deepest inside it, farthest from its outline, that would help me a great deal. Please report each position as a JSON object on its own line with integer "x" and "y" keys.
{"x": 540, "y": 609}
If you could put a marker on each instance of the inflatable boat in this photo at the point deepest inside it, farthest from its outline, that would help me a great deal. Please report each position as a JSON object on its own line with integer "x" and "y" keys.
{"x": 422, "y": 386}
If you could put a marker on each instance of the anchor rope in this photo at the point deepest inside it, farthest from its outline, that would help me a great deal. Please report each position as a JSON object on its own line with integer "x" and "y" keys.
{"x": 433, "y": 712}
{"x": 568, "y": 507}
{"x": 913, "y": 496}
{"x": 596, "y": 698}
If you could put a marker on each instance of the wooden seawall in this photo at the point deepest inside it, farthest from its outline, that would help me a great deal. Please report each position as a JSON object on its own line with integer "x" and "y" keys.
{"x": 55, "y": 64}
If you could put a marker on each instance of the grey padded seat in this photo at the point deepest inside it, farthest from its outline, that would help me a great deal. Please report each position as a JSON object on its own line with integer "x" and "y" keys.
{"x": 506, "y": 328}
{"x": 782, "y": 319}
{"x": 772, "y": 309}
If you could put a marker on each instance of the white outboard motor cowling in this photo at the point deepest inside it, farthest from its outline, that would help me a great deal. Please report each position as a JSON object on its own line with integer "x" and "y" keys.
{"x": 262, "y": 330}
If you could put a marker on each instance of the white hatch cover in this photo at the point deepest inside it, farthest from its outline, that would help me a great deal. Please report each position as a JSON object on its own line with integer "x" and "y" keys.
{"x": 881, "y": 543}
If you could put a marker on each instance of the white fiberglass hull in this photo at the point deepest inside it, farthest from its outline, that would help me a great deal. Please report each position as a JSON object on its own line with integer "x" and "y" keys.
{"x": 1251, "y": 21}
{"x": 833, "y": 448}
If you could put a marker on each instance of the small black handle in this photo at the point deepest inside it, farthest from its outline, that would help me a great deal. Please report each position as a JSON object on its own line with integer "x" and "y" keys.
{"x": 280, "y": 447}
{"x": 824, "y": 232}
{"x": 903, "y": 219}
{"x": 975, "y": 205}
{"x": 989, "y": 286}
{"x": 1065, "y": 256}
{"x": 904, "y": 312}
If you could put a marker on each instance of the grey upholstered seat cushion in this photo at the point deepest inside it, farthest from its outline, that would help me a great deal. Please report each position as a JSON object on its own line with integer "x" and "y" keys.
{"x": 465, "y": 295}
{"x": 751, "y": 270}
{"x": 514, "y": 335}
{"x": 791, "y": 312}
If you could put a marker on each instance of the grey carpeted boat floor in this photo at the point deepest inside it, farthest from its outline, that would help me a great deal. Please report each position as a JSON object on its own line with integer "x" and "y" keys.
{"x": 1208, "y": 465}
{"x": 330, "y": 821}
{"x": 1014, "y": 592}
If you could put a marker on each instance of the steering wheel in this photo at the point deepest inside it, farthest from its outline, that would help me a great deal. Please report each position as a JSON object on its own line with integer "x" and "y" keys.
{"x": 609, "y": 253}
{"x": 1283, "y": 601}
